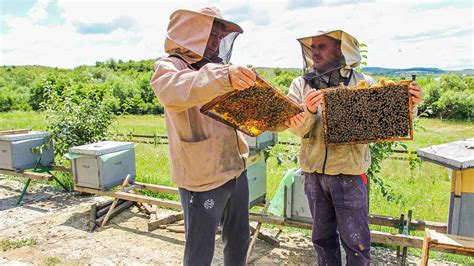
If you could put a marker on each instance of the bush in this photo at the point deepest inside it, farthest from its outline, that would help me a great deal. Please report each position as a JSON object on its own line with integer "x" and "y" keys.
{"x": 73, "y": 119}
{"x": 450, "y": 97}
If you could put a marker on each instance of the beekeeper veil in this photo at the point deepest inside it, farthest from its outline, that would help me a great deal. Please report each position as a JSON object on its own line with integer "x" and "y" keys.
{"x": 349, "y": 49}
{"x": 201, "y": 37}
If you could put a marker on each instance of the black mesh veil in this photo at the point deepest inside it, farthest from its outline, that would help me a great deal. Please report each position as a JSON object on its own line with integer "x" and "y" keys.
{"x": 225, "y": 45}
{"x": 307, "y": 61}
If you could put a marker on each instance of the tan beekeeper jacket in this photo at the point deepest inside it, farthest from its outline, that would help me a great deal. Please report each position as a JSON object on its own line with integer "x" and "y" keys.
{"x": 205, "y": 153}
{"x": 315, "y": 155}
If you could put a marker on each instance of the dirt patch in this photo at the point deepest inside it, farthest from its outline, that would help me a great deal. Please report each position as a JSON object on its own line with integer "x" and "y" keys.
{"x": 58, "y": 223}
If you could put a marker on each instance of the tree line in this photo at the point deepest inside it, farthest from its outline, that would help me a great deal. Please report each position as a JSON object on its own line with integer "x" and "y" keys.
{"x": 125, "y": 86}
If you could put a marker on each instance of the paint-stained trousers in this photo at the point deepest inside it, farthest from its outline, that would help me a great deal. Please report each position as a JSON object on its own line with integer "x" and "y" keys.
{"x": 204, "y": 211}
{"x": 339, "y": 209}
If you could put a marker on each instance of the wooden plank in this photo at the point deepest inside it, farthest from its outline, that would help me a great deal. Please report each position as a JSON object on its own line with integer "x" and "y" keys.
{"x": 263, "y": 218}
{"x": 396, "y": 239}
{"x": 120, "y": 208}
{"x": 373, "y": 219}
{"x": 267, "y": 238}
{"x": 132, "y": 187}
{"x": 457, "y": 183}
{"x": 419, "y": 225}
{"x": 114, "y": 203}
{"x": 425, "y": 253}
{"x": 176, "y": 228}
{"x": 13, "y": 132}
{"x": 447, "y": 243}
{"x": 92, "y": 217}
{"x": 376, "y": 236}
{"x": 103, "y": 211}
{"x": 157, "y": 188}
{"x": 132, "y": 197}
{"x": 32, "y": 175}
{"x": 453, "y": 240}
{"x": 152, "y": 225}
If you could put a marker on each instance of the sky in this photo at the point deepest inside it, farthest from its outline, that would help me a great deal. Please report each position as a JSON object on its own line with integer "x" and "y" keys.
{"x": 398, "y": 34}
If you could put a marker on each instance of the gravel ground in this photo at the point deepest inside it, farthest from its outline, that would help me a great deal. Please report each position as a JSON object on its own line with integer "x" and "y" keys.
{"x": 57, "y": 224}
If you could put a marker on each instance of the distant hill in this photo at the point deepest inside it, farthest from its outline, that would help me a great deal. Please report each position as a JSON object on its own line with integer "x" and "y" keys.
{"x": 402, "y": 71}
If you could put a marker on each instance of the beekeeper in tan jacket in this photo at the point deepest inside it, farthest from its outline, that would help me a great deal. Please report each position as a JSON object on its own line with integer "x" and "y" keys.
{"x": 207, "y": 157}
{"x": 335, "y": 181}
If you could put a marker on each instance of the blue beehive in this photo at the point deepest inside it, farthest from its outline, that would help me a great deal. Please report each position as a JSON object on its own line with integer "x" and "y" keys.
{"x": 102, "y": 165}
{"x": 296, "y": 202}
{"x": 257, "y": 178}
{"x": 17, "y": 150}
{"x": 261, "y": 141}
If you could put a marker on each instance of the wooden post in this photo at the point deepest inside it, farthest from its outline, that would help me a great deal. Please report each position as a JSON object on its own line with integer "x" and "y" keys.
{"x": 400, "y": 230}
{"x": 111, "y": 209}
{"x": 255, "y": 234}
{"x": 405, "y": 249}
{"x": 425, "y": 253}
{"x": 92, "y": 217}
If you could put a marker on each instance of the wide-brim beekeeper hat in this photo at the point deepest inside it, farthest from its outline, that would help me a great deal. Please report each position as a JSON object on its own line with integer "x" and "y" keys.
{"x": 188, "y": 33}
{"x": 349, "y": 49}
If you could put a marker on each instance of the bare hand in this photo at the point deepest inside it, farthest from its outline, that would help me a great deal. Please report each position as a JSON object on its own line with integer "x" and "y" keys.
{"x": 295, "y": 121}
{"x": 416, "y": 93}
{"x": 313, "y": 99}
{"x": 241, "y": 77}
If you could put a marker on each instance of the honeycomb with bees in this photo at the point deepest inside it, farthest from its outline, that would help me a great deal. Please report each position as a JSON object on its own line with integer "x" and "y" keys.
{"x": 367, "y": 113}
{"x": 253, "y": 110}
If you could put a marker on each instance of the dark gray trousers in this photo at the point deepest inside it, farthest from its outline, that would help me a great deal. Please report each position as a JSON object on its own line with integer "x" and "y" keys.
{"x": 339, "y": 209}
{"x": 204, "y": 211}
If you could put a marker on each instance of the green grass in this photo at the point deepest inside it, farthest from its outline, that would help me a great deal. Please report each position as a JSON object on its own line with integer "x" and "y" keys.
{"x": 50, "y": 261}
{"x": 7, "y": 244}
{"x": 425, "y": 191}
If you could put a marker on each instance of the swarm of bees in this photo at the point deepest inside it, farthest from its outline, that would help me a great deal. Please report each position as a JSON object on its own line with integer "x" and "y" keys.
{"x": 367, "y": 113}
{"x": 253, "y": 110}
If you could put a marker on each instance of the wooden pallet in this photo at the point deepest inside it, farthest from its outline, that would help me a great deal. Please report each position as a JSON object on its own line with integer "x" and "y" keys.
{"x": 446, "y": 243}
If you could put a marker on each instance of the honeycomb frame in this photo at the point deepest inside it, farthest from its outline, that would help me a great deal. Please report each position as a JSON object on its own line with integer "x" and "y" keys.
{"x": 376, "y": 92}
{"x": 243, "y": 109}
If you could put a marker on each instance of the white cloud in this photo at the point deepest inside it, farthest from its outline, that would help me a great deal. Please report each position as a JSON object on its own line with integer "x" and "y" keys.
{"x": 38, "y": 11}
{"x": 397, "y": 34}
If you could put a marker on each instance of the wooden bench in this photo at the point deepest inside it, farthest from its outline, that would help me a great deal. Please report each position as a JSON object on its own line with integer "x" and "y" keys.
{"x": 448, "y": 243}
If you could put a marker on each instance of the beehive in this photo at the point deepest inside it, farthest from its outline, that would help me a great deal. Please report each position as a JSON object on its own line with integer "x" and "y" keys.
{"x": 365, "y": 114}
{"x": 261, "y": 141}
{"x": 458, "y": 157}
{"x": 17, "y": 150}
{"x": 253, "y": 110}
{"x": 102, "y": 165}
{"x": 257, "y": 177}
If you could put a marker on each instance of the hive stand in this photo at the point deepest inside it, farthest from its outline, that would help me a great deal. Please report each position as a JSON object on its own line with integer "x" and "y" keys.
{"x": 39, "y": 172}
{"x": 130, "y": 192}
{"x": 443, "y": 242}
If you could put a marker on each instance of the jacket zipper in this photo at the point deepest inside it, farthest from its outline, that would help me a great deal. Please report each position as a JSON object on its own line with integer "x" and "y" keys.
{"x": 325, "y": 158}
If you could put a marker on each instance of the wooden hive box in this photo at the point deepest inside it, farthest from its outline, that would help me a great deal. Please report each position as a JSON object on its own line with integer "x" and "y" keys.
{"x": 253, "y": 110}
{"x": 365, "y": 114}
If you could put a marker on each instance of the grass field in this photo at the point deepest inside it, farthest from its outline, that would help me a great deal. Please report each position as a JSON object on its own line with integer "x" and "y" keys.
{"x": 425, "y": 190}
